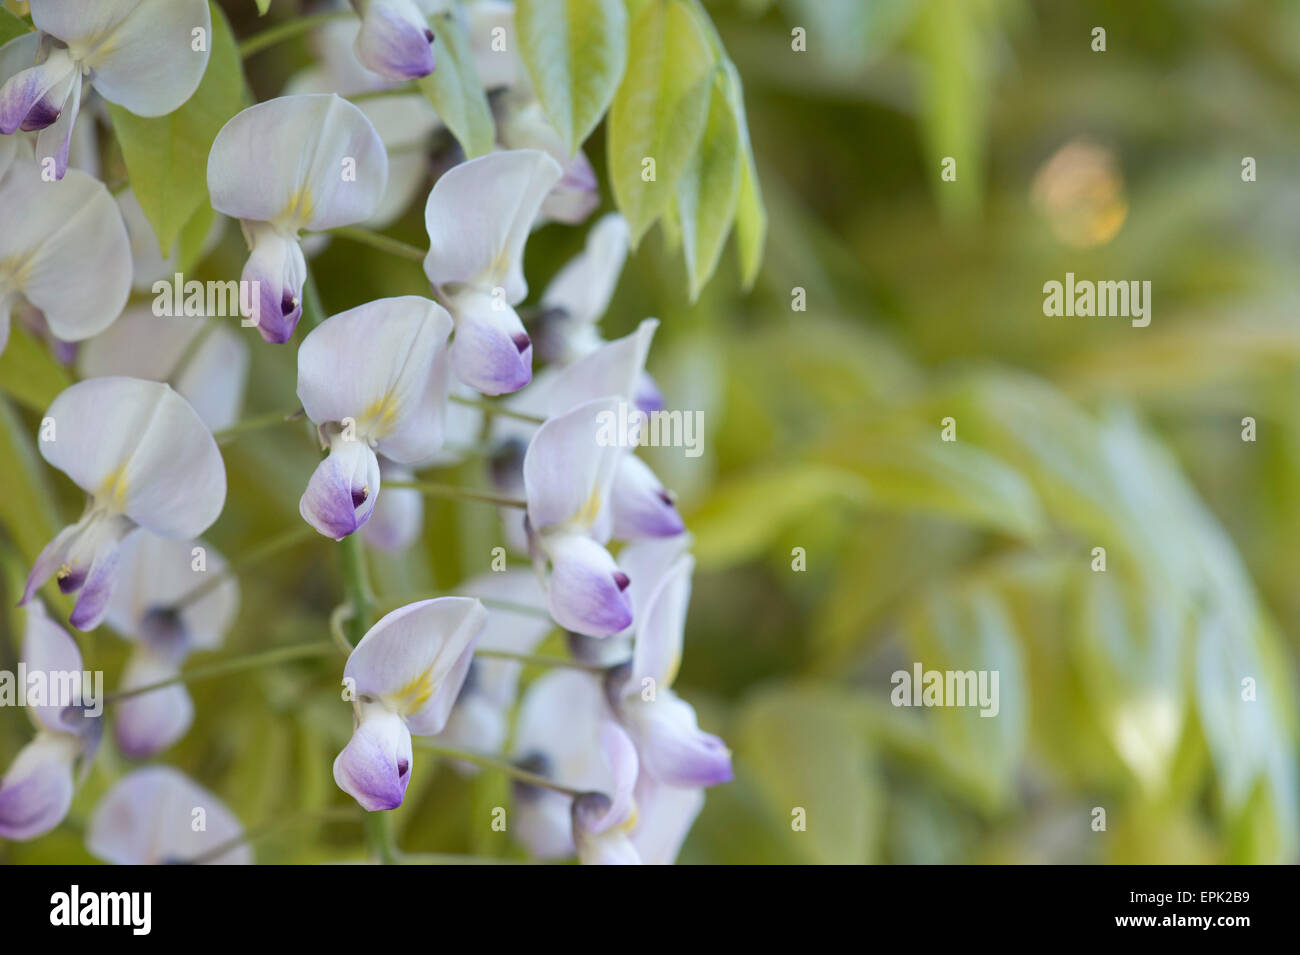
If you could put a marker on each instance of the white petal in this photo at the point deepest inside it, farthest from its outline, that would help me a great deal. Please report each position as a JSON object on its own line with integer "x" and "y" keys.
{"x": 72, "y": 246}
{"x": 570, "y": 465}
{"x": 478, "y": 217}
{"x": 586, "y": 592}
{"x": 398, "y": 515}
{"x": 303, "y": 162}
{"x": 664, "y": 815}
{"x": 139, "y": 449}
{"x": 375, "y": 767}
{"x": 614, "y": 368}
{"x": 156, "y": 579}
{"x": 147, "y": 724}
{"x": 275, "y": 274}
{"x": 411, "y": 658}
{"x": 673, "y": 748}
{"x": 148, "y": 818}
{"x": 584, "y": 286}
{"x": 36, "y": 791}
{"x": 639, "y": 505}
{"x": 491, "y": 352}
{"x": 492, "y": 37}
{"x": 47, "y": 649}
{"x": 660, "y": 626}
{"x": 378, "y": 364}
{"x": 343, "y": 489}
{"x": 141, "y": 51}
{"x": 395, "y": 40}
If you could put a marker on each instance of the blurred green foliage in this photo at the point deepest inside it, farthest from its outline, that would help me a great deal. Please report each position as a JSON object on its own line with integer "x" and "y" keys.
{"x": 1119, "y": 690}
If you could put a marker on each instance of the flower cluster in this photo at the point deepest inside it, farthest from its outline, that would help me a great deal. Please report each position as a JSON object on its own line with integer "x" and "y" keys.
{"x": 610, "y": 762}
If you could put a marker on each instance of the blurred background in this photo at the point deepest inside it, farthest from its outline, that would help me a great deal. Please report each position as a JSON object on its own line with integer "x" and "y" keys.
{"x": 1120, "y": 690}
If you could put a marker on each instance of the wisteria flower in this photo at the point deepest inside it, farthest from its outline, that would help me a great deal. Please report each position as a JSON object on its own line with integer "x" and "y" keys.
{"x": 602, "y": 821}
{"x": 478, "y": 721}
{"x": 395, "y": 40}
{"x": 672, "y": 747}
{"x": 522, "y": 124}
{"x": 580, "y": 293}
{"x": 478, "y": 216}
{"x": 296, "y": 162}
{"x": 567, "y": 477}
{"x": 167, "y": 608}
{"x": 374, "y": 379}
{"x": 37, "y": 790}
{"x": 404, "y": 675}
{"x": 145, "y": 459}
{"x": 143, "y": 55}
{"x": 151, "y": 816}
{"x": 208, "y": 367}
{"x": 64, "y": 248}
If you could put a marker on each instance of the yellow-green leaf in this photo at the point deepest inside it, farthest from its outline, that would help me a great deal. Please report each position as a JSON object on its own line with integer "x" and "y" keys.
{"x": 709, "y": 189}
{"x": 454, "y": 88}
{"x": 575, "y": 52}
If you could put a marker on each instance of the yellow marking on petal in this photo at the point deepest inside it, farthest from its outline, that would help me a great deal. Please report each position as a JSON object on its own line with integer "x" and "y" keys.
{"x": 414, "y": 695}
{"x": 587, "y": 515}
{"x": 112, "y": 492}
{"x": 630, "y": 824}
{"x": 380, "y": 416}
{"x": 300, "y": 206}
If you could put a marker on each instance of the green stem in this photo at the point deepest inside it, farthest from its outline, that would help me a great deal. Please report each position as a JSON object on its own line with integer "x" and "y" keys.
{"x": 313, "y": 309}
{"x": 269, "y": 548}
{"x": 379, "y": 241}
{"x": 337, "y": 814}
{"x": 459, "y": 493}
{"x": 287, "y": 31}
{"x": 543, "y": 661}
{"x": 256, "y": 424}
{"x": 235, "y": 665}
{"x": 492, "y": 762}
{"x": 493, "y": 408}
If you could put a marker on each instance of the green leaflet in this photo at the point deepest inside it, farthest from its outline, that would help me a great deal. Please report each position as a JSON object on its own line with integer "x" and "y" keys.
{"x": 575, "y": 52}
{"x": 659, "y": 112}
{"x": 454, "y": 88}
{"x": 709, "y": 189}
{"x": 167, "y": 156}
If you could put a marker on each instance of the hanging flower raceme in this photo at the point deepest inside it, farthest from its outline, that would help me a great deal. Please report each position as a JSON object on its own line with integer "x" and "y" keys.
{"x": 37, "y": 790}
{"x": 374, "y": 379}
{"x": 147, "y": 56}
{"x": 673, "y": 749}
{"x": 403, "y": 677}
{"x": 478, "y": 216}
{"x": 395, "y": 40}
{"x": 296, "y": 162}
{"x": 173, "y": 597}
{"x": 150, "y": 817}
{"x": 64, "y": 248}
{"x": 145, "y": 459}
{"x": 567, "y": 477}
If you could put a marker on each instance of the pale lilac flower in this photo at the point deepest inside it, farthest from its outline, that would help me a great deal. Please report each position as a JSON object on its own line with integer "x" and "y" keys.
{"x": 64, "y": 248}
{"x": 395, "y": 40}
{"x": 672, "y": 747}
{"x": 567, "y": 477}
{"x": 37, "y": 790}
{"x": 155, "y": 607}
{"x": 145, "y": 459}
{"x": 664, "y": 816}
{"x": 374, "y": 379}
{"x": 478, "y": 216}
{"x": 581, "y": 291}
{"x": 522, "y": 124}
{"x": 491, "y": 25}
{"x": 405, "y": 675}
{"x": 151, "y": 817}
{"x": 296, "y": 162}
{"x": 140, "y": 54}
{"x": 478, "y": 721}
{"x": 602, "y": 822}
{"x": 397, "y": 518}
{"x": 210, "y": 374}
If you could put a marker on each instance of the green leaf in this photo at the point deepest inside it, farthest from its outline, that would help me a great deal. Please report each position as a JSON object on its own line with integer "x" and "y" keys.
{"x": 709, "y": 189}
{"x": 166, "y": 156}
{"x": 11, "y": 26}
{"x": 28, "y": 372}
{"x": 455, "y": 91}
{"x": 262, "y": 7}
{"x": 192, "y": 237}
{"x": 660, "y": 110}
{"x": 575, "y": 52}
{"x": 751, "y": 217}
{"x": 806, "y": 749}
